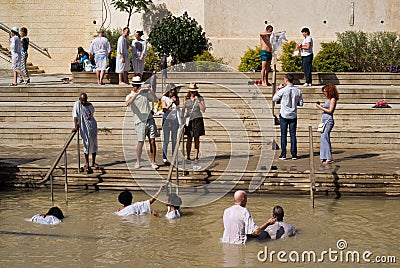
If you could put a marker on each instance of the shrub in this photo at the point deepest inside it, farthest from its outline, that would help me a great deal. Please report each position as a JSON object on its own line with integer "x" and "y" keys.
{"x": 288, "y": 61}
{"x": 206, "y": 62}
{"x": 181, "y": 37}
{"x": 153, "y": 60}
{"x": 251, "y": 60}
{"x": 330, "y": 58}
{"x": 371, "y": 52}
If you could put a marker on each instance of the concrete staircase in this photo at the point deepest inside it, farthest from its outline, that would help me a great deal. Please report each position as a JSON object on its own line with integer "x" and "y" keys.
{"x": 32, "y": 69}
{"x": 40, "y": 117}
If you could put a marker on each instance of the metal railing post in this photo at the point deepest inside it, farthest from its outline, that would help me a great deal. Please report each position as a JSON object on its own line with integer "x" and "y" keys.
{"x": 66, "y": 175}
{"x": 51, "y": 188}
{"x": 78, "y": 151}
{"x": 312, "y": 171}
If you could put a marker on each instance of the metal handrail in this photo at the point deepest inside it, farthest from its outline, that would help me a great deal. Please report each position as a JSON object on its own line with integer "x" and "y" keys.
{"x": 43, "y": 50}
{"x": 62, "y": 153}
{"x": 4, "y": 57}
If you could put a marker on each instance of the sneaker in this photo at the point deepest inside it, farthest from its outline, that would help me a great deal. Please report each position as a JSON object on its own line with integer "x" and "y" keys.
{"x": 282, "y": 157}
{"x": 137, "y": 165}
{"x": 166, "y": 162}
{"x": 309, "y": 85}
{"x": 306, "y": 85}
{"x": 294, "y": 158}
{"x": 154, "y": 165}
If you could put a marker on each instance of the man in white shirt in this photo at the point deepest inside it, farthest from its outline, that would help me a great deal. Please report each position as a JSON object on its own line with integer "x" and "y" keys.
{"x": 101, "y": 49}
{"x": 290, "y": 97}
{"x": 139, "y": 100}
{"x": 137, "y": 208}
{"x": 238, "y": 222}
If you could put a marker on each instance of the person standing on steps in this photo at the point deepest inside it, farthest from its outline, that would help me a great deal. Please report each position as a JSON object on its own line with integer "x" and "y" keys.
{"x": 83, "y": 114}
{"x": 15, "y": 49}
{"x": 139, "y": 50}
{"x": 24, "y": 53}
{"x": 101, "y": 49}
{"x": 328, "y": 108}
{"x": 170, "y": 122}
{"x": 139, "y": 100}
{"x": 123, "y": 63}
{"x": 193, "y": 109}
{"x": 290, "y": 97}
{"x": 306, "y": 55}
{"x": 266, "y": 54}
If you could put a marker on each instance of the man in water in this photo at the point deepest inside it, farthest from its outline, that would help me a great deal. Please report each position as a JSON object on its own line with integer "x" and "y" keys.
{"x": 137, "y": 208}
{"x": 266, "y": 54}
{"x": 238, "y": 222}
{"x": 280, "y": 229}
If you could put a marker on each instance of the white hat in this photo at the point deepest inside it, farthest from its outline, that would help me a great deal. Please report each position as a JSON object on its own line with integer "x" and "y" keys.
{"x": 15, "y": 29}
{"x": 137, "y": 81}
{"x": 193, "y": 87}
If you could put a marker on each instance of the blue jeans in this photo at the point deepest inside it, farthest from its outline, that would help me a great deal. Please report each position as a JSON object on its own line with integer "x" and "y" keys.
{"x": 292, "y": 123}
{"x": 170, "y": 129}
{"x": 307, "y": 67}
{"x": 325, "y": 150}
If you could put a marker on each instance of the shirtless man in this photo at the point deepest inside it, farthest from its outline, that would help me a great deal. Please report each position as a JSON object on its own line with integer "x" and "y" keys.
{"x": 266, "y": 54}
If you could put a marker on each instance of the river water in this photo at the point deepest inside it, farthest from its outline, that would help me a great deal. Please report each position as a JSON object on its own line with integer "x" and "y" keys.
{"x": 91, "y": 235}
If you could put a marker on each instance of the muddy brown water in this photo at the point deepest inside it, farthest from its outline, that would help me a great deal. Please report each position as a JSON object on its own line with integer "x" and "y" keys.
{"x": 91, "y": 235}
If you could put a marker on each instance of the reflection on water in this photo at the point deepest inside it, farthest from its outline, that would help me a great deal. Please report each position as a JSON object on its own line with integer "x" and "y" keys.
{"x": 92, "y": 235}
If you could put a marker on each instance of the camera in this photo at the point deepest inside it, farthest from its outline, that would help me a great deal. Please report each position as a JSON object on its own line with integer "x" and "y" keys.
{"x": 317, "y": 102}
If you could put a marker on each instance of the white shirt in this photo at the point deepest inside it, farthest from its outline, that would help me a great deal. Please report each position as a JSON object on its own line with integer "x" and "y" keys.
{"x": 49, "y": 219}
{"x": 238, "y": 223}
{"x": 172, "y": 113}
{"x": 100, "y": 46}
{"x": 280, "y": 229}
{"x": 174, "y": 214}
{"x": 306, "y": 52}
{"x": 137, "y": 208}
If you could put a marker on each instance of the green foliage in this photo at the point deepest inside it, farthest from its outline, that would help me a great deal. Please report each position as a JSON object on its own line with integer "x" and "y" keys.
{"x": 131, "y": 6}
{"x": 112, "y": 36}
{"x": 330, "y": 58}
{"x": 370, "y": 52}
{"x": 206, "y": 62}
{"x": 181, "y": 37}
{"x": 153, "y": 60}
{"x": 251, "y": 60}
{"x": 289, "y": 62}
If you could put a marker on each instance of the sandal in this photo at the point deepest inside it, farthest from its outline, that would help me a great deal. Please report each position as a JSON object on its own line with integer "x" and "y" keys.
{"x": 87, "y": 169}
{"x": 12, "y": 85}
{"x": 96, "y": 166}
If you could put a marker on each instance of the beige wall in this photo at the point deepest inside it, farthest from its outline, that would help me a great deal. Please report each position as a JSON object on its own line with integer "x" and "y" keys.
{"x": 231, "y": 25}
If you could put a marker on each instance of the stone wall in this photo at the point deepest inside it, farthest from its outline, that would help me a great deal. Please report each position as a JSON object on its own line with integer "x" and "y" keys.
{"x": 231, "y": 25}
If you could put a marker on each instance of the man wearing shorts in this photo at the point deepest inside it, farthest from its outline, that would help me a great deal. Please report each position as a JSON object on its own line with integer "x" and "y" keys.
{"x": 100, "y": 48}
{"x": 139, "y": 100}
{"x": 266, "y": 54}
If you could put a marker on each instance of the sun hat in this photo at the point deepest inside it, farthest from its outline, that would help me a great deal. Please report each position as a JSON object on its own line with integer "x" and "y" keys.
{"x": 137, "y": 81}
{"x": 15, "y": 29}
{"x": 193, "y": 87}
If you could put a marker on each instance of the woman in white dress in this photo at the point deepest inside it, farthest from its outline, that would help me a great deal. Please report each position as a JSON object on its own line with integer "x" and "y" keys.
{"x": 139, "y": 49}
{"x": 15, "y": 48}
{"x": 122, "y": 63}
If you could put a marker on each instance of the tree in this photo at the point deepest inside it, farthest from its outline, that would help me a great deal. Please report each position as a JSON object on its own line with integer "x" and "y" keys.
{"x": 181, "y": 37}
{"x": 131, "y": 6}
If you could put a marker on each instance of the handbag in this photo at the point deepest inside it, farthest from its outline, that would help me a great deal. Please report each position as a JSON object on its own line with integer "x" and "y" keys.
{"x": 76, "y": 67}
{"x": 321, "y": 126}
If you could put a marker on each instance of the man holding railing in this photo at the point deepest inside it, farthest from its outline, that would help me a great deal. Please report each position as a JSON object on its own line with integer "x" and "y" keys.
{"x": 83, "y": 114}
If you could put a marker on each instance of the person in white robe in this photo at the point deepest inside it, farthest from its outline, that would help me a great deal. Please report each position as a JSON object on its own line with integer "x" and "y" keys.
{"x": 122, "y": 62}
{"x": 139, "y": 49}
{"x": 83, "y": 114}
